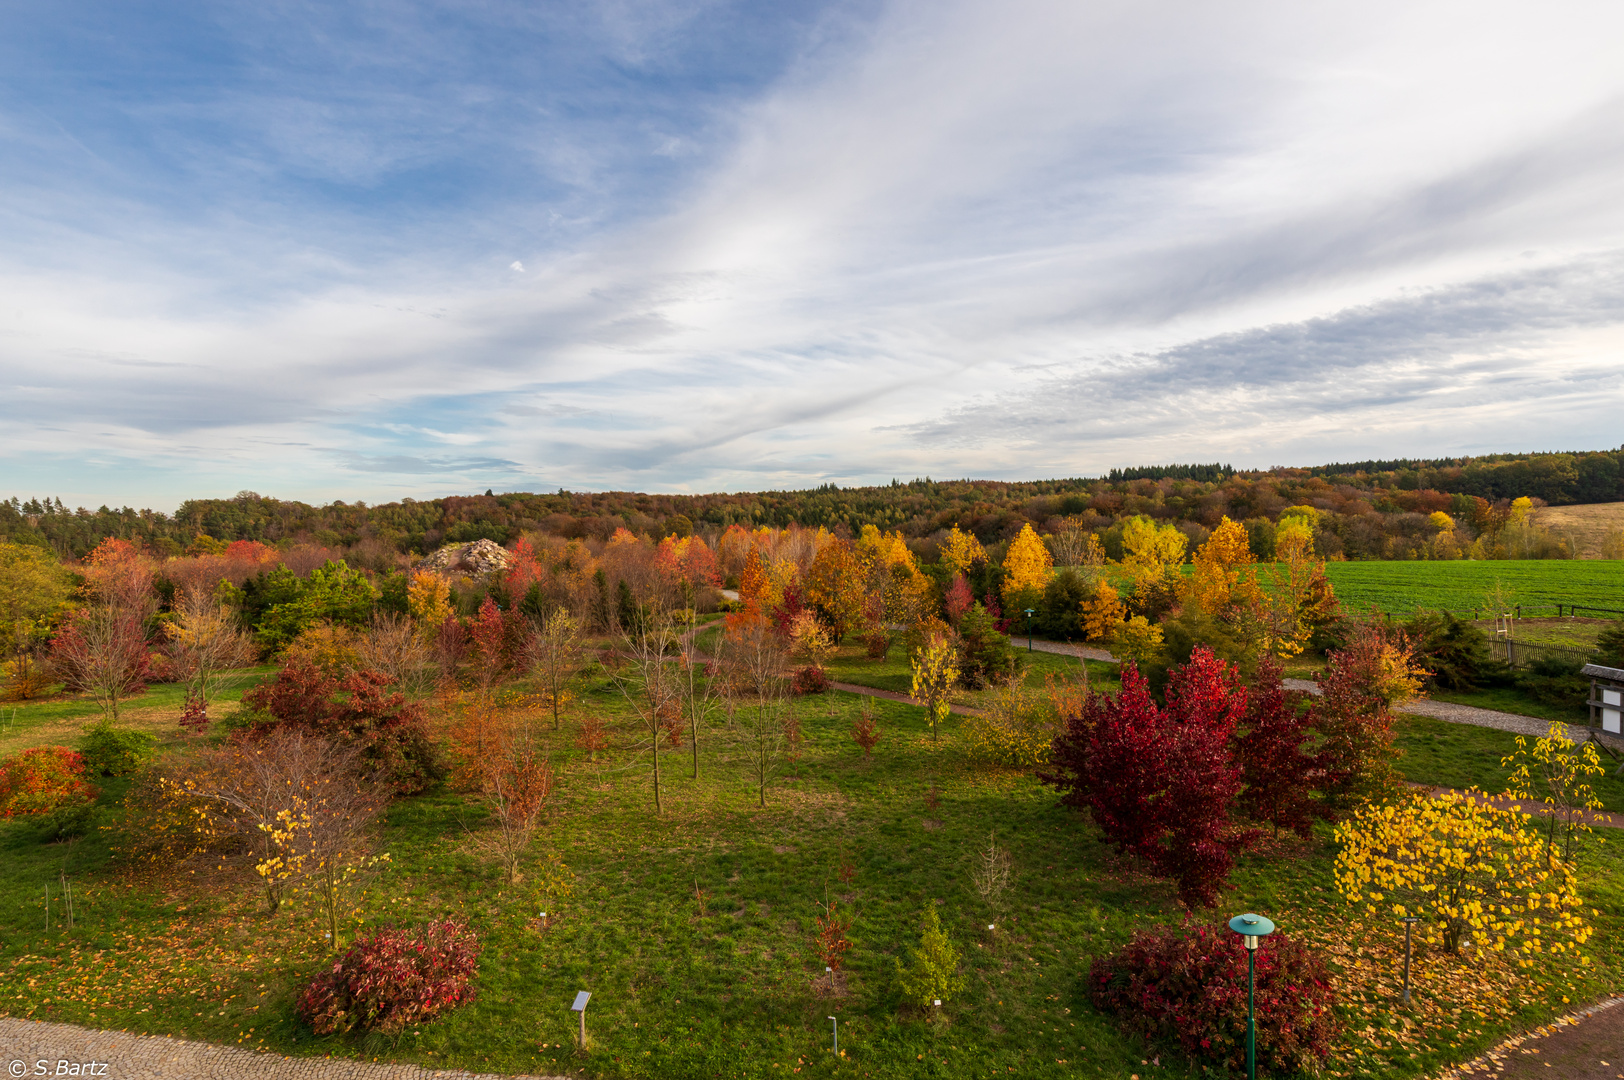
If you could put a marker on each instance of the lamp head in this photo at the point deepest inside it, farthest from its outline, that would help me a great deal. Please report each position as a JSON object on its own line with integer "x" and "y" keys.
{"x": 1251, "y": 928}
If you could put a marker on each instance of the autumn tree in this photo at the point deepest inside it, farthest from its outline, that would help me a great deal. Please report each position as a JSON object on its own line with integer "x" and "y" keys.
{"x": 754, "y": 656}
{"x": 205, "y": 647}
{"x": 960, "y": 551}
{"x": 1027, "y": 566}
{"x": 103, "y": 652}
{"x": 935, "y": 672}
{"x": 1278, "y": 761}
{"x": 393, "y": 647}
{"x": 1161, "y": 784}
{"x": 1298, "y": 599}
{"x": 1103, "y": 613}
{"x": 1151, "y": 556}
{"x": 555, "y": 658}
{"x": 1218, "y": 585}
{"x": 1466, "y": 868}
{"x": 647, "y": 682}
{"x": 428, "y": 600}
{"x": 1555, "y": 774}
{"x": 835, "y": 588}
{"x": 34, "y": 588}
{"x": 518, "y": 787}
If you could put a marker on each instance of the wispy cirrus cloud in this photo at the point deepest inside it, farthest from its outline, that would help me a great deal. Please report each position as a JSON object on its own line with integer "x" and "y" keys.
{"x": 280, "y": 248}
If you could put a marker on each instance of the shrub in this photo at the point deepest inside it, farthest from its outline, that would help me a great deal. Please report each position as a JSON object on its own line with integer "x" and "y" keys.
{"x": 111, "y": 751}
{"x": 1454, "y": 651}
{"x": 1013, "y": 728}
{"x": 810, "y": 679}
{"x": 43, "y": 779}
{"x": 1167, "y": 984}
{"x": 355, "y": 709}
{"x": 392, "y": 979}
{"x": 877, "y": 642}
{"x": 932, "y": 973}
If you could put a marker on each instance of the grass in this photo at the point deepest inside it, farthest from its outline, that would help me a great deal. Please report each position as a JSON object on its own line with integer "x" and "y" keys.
{"x": 1509, "y": 699}
{"x": 684, "y": 988}
{"x": 1461, "y": 586}
{"x": 852, "y": 665}
{"x": 1461, "y": 756}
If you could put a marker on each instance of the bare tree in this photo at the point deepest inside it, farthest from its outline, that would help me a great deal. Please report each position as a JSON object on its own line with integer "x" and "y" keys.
{"x": 991, "y": 872}
{"x": 698, "y": 694}
{"x": 554, "y": 654}
{"x": 519, "y": 789}
{"x": 302, "y": 806}
{"x": 103, "y": 652}
{"x": 206, "y": 646}
{"x": 395, "y": 648}
{"x": 648, "y": 683}
{"x": 756, "y": 658}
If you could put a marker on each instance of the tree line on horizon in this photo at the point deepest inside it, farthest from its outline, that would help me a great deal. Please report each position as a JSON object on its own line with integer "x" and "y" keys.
{"x": 1372, "y": 509}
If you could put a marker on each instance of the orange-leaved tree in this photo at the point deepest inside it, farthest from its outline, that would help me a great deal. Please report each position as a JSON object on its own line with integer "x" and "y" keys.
{"x": 1026, "y": 565}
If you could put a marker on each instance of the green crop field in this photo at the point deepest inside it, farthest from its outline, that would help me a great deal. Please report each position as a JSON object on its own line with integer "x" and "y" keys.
{"x": 1401, "y": 587}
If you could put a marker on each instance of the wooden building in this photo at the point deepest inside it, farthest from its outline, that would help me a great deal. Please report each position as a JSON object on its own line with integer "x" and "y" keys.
{"x": 1606, "y": 697}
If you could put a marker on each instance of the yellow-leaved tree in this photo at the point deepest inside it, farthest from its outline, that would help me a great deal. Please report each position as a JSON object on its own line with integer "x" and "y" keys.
{"x": 1137, "y": 640}
{"x": 935, "y": 670}
{"x": 960, "y": 550}
{"x": 1152, "y": 555}
{"x": 1218, "y": 585}
{"x": 1026, "y": 565}
{"x": 1467, "y": 869}
{"x": 1103, "y": 613}
{"x": 428, "y": 599}
{"x": 1297, "y": 598}
{"x": 1556, "y": 772}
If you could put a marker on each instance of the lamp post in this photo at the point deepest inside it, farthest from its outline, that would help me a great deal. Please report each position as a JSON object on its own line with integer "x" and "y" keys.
{"x": 1252, "y": 929}
{"x": 1029, "y": 628}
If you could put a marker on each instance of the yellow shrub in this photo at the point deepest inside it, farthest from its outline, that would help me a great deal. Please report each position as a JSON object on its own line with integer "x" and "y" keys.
{"x": 1013, "y": 729}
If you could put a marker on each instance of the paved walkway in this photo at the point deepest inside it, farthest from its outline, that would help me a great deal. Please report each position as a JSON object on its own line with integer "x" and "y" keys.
{"x": 157, "y": 1057}
{"x": 1437, "y": 710}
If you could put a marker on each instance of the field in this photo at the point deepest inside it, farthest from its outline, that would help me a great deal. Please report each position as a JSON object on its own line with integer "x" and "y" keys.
{"x": 1595, "y": 529}
{"x": 692, "y": 928}
{"x": 1462, "y": 586}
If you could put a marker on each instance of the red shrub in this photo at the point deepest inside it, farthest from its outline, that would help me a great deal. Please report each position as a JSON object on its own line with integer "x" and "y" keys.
{"x": 1280, "y": 770}
{"x": 393, "y": 979}
{"x": 810, "y": 680}
{"x": 357, "y": 708}
{"x": 43, "y": 779}
{"x": 1191, "y": 986}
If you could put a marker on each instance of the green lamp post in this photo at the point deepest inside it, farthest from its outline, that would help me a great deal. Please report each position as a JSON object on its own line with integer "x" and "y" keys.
{"x": 1029, "y": 612}
{"x": 1252, "y": 929}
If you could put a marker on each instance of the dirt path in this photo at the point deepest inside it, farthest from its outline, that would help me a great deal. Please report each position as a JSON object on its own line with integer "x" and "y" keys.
{"x": 1585, "y": 1045}
{"x": 157, "y": 1057}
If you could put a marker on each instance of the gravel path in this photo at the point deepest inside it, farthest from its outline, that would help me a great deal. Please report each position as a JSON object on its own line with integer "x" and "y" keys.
{"x": 1437, "y": 710}
{"x": 139, "y": 1057}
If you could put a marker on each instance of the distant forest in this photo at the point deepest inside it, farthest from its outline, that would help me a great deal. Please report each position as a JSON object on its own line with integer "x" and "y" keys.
{"x": 1368, "y": 509}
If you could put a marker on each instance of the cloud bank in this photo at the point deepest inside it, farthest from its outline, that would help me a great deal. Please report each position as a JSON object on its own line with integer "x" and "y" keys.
{"x": 782, "y": 245}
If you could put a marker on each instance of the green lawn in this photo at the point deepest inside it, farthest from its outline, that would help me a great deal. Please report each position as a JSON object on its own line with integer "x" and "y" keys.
{"x": 1402, "y": 587}
{"x": 1462, "y": 756}
{"x": 722, "y": 987}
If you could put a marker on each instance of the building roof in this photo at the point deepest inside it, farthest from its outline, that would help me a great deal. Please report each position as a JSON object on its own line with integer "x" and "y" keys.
{"x": 1597, "y": 671}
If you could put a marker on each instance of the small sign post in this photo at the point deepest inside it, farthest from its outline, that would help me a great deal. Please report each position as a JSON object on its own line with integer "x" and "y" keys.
{"x": 580, "y": 1006}
{"x": 836, "y": 1034}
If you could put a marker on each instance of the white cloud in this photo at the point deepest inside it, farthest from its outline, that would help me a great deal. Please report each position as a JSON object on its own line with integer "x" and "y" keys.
{"x": 1014, "y": 239}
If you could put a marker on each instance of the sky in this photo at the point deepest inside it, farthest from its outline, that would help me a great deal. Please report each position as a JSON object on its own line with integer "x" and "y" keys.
{"x": 384, "y": 249}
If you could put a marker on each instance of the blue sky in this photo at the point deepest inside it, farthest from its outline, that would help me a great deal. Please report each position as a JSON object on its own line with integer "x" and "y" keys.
{"x": 384, "y": 249}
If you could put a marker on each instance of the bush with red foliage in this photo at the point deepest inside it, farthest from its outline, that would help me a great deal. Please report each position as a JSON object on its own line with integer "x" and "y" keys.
{"x": 1190, "y": 986}
{"x": 1161, "y": 783}
{"x": 393, "y": 979}
{"x": 810, "y": 680}
{"x": 357, "y": 708}
{"x": 43, "y": 779}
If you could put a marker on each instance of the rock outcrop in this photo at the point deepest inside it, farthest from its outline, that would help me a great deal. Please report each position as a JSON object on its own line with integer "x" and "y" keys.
{"x": 470, "y": 560}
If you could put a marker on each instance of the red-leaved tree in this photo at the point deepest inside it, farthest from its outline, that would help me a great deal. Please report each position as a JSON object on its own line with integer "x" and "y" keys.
{"x": 1279, "y": 763}
{"x": 1161, "y": 783}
